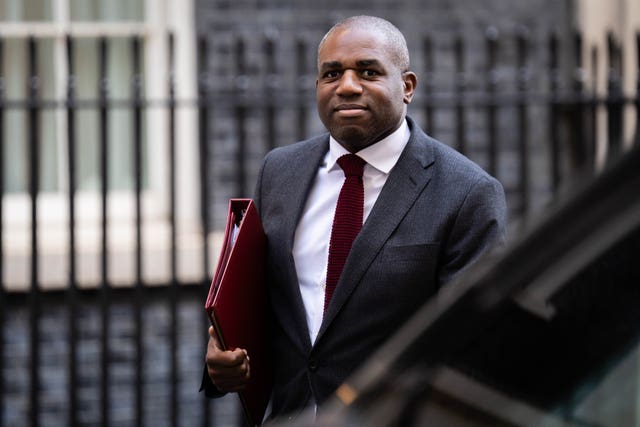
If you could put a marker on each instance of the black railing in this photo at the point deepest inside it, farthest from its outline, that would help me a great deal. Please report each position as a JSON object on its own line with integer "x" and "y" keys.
{"x": 36, "y": 407}
{"x": 2, "y": 292}
{"x": 512, "y": 103}
{"x": 281, "y": 111}
{"x": 34, "y": 180}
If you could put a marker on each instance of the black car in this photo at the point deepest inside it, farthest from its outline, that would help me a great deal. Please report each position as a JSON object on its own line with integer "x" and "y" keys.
{"x": 543, "y": 334}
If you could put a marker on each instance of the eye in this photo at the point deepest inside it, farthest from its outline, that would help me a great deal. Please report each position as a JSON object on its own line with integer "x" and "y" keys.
{"x": 331, "y": 74}
{"x": 369, "y": 73}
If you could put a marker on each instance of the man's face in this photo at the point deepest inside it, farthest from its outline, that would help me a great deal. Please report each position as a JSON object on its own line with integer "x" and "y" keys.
{"x": 361, "y": 91}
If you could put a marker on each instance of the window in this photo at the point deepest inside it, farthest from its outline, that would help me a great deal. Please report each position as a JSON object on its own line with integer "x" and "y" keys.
{"x": 46, "y": 24}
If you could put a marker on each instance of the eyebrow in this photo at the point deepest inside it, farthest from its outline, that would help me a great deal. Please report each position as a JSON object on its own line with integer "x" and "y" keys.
{"x": 330, "y": 65}
{"x": 367, "y": 62}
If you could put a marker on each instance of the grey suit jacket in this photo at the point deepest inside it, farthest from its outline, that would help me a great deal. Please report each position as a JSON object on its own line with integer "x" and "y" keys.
{"x": 436, "y": 214}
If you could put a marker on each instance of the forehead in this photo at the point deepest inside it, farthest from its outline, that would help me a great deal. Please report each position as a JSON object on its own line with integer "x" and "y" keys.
{"x": 352, "y": 44}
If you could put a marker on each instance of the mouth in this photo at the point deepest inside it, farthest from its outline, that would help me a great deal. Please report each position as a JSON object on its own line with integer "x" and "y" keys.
{"x": 349, "y": 110}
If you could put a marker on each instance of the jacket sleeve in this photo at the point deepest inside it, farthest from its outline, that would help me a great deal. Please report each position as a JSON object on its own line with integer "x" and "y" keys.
{"x": 479, "y": 226}
{"x": 207, "y": 386}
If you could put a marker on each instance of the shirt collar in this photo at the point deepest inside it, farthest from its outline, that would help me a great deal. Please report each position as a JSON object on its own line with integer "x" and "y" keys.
{"x": 382, "y": 155}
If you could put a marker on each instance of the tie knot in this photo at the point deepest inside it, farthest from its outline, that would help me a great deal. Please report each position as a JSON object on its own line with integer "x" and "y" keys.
{"x": 352, "y": 165}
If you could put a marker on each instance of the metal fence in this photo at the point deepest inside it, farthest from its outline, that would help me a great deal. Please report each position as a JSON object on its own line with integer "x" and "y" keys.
{"x": 106, "y": 341}
{"x": 112, "y": 373}
{"x": 526, "y": 108}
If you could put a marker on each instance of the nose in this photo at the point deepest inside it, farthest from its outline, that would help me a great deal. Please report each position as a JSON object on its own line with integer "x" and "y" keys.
{"x": 349, "y": 84}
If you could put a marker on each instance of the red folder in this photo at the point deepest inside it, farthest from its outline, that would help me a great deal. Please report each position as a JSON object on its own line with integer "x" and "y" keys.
{"x": 237, "y": 302}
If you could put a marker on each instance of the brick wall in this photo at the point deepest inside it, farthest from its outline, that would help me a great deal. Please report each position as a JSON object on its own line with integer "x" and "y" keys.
{"x": 287, "y": 23}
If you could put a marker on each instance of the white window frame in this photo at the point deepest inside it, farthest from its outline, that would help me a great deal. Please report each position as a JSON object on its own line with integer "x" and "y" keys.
{"x": 595, "y": 19}
{"x": 160, "y": 17}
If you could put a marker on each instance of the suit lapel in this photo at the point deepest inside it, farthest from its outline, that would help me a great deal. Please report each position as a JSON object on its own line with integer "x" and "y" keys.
{"x": 300, "y": 174}
{"x": 406, "y": 181}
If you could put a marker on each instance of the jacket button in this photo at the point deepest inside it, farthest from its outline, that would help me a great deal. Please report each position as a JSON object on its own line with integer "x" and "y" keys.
{"x": 313, "y": 365}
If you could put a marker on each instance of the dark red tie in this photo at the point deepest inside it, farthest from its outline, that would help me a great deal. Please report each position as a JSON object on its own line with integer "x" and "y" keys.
{"x": 347, "y": 220}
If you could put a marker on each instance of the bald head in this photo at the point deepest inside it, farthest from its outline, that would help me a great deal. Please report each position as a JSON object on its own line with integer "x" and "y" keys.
{"x": 395, "y": 41}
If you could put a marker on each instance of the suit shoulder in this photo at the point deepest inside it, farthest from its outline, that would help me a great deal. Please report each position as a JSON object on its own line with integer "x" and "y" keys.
{"x": 432, "y": 152}
{"x": 297, "y": 149}
{"x": 456, "y": 162}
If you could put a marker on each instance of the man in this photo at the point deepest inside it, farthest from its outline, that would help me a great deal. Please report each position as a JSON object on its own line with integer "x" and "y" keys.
{"x": 428, "y": 214}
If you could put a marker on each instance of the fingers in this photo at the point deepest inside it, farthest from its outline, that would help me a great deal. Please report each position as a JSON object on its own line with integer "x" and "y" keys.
{"x": 229, "y": 370}
{"x": 231, "y": 379}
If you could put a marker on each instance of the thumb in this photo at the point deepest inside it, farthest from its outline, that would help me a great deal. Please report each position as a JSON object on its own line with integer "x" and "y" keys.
{"x": 214, "y": 336}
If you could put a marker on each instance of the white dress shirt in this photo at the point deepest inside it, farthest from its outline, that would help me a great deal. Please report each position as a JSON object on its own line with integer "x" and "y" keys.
{"x": 311, "y": 244}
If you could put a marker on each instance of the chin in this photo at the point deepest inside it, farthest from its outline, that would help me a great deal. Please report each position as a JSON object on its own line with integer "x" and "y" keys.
{"x": 349, "y": 134}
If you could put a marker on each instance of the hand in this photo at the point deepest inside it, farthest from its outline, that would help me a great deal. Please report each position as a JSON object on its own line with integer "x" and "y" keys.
{"x": 228, "y": 370}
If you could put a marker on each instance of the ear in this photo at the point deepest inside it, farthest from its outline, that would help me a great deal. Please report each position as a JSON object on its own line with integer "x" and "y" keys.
{"x": 410, "y": 81}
